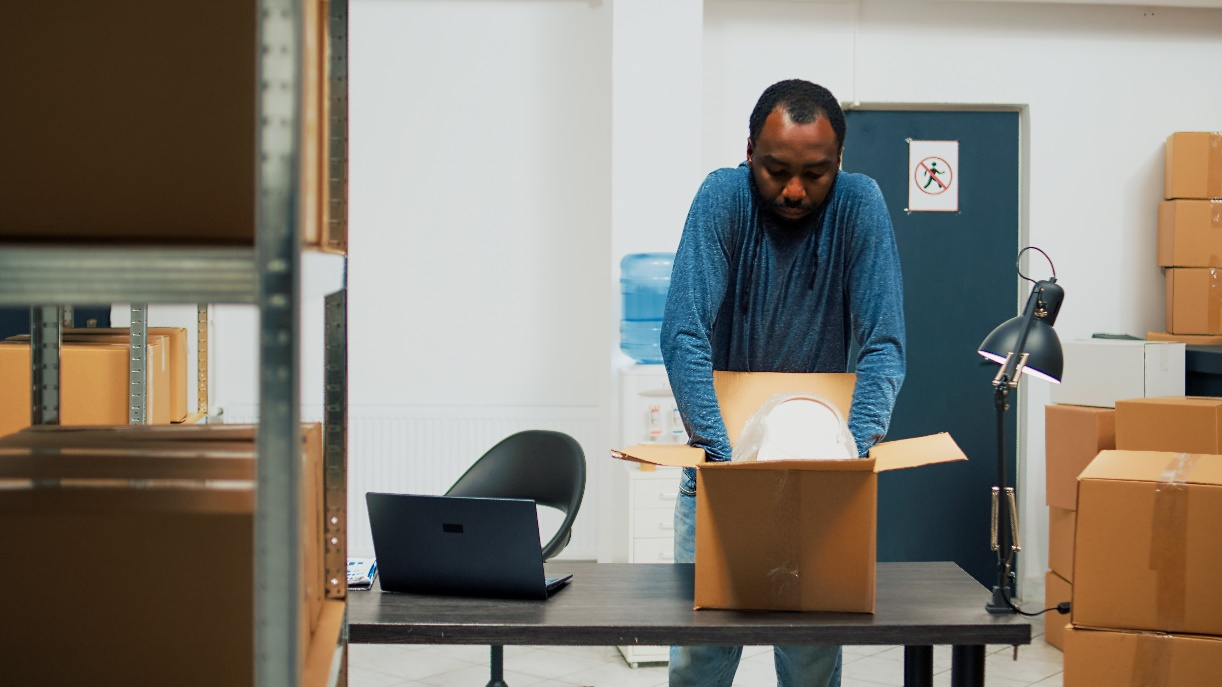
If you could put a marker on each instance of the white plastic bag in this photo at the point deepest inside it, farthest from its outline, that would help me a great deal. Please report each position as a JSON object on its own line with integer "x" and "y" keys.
{"x": 795, "y": 426}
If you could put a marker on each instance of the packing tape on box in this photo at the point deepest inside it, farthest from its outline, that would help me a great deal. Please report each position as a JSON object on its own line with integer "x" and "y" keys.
{"x": 784, "y": 577}
{"x": 1215, "y": 223}
{"x": 1152, "y": 661}
{"x": 1169, "y": 544}
{"x": 1214, "y": 305}
{"x": 1214, "y": 181}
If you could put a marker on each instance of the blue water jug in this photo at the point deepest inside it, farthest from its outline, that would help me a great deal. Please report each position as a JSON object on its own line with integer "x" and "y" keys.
{"x": 644, "y": 282}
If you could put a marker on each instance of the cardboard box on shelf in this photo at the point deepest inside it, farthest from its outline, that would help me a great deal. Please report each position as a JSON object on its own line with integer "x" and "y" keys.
{"x": 1180, "y": 424}
{"x": 1193, "y": 165}
{"x": 1099, "y": 372}
{"x": 1056, "y": 590}
{"x": 1189, "y": 339}
{"x": 147, "y": 541}
{"x": 95, "y": 384}
{"x": 816, "y": 518}
{"x": 1073, "y": 436}
{"x": 1190, "y": 233}
{"x": 176, "y": 352}
{"x": 1060, "y": 541}
{"x": 182, "y": 452}
{"x": 1098, "y": 658}
{"x": 148, "y": 158}
{"x": 1148, "y": 543}
{"x": 1194, "y": 301}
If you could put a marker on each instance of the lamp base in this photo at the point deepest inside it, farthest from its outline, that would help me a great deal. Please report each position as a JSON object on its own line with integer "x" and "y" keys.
{"x": 998, "y": 604}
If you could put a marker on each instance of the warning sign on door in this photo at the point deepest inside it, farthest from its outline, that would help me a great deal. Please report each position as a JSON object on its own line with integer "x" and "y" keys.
{"x": 933, "y": 176}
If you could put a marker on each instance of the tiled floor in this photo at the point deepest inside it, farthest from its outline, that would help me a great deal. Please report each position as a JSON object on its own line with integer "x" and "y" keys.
{"x": 864, "y": 666}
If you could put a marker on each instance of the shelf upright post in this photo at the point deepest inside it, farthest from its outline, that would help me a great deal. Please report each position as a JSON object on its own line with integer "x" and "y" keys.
{"x": 335, "y": 427}
{"x": 45, "y": 340}
{"x": 137, "y": 366}
{"x": 337, "y": 107}
{"x": 278, "y": 593}
{"x": 201, "y": 361}
{"x": 335, "y": 441}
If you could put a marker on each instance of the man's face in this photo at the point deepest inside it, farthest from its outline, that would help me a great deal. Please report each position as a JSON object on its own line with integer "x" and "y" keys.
{"x": 793, "y": 164}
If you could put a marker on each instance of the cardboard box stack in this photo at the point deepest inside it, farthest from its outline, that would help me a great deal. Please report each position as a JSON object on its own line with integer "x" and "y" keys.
{"x": 1147, "y": 547}
{"x": 95, "y": 382}
{"x": 137, "y": 546}
{"x": 1190, "y": 237}
{"x": 1079, "y": 424}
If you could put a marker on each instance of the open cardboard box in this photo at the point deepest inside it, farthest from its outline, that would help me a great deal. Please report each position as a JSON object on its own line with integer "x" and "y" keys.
{"x": 788, "y": 535}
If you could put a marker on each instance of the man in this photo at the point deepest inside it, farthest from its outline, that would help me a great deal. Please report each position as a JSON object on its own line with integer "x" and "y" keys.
{"x": 782, "y": 259}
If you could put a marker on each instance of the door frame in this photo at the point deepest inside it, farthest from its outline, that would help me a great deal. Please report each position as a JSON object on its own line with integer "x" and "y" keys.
{"x": 1033, "y": 512}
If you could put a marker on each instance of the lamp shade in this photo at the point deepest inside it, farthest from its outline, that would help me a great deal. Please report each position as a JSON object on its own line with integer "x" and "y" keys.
{"x": 1043, "y": 347}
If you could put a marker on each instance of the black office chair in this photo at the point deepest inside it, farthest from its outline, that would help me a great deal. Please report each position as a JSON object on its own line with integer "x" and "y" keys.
{"x": 547, "y": 467}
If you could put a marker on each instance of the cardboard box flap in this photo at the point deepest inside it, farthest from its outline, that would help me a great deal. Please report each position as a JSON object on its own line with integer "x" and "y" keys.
{"x": 911, "y": 453}
{"x": 662, "y": 454}
{"x": 1155, "y": 466}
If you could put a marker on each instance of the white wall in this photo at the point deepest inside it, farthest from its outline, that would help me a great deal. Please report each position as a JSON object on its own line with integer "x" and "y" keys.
{"x": 479, "y": 237}
{"x": 505, "y": 154}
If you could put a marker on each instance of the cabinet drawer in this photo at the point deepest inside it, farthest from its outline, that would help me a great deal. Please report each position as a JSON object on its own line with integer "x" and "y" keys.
{"x": 655, "y": 493}
{"x": 653, "y": 522}
{"x": 653, "y": 551}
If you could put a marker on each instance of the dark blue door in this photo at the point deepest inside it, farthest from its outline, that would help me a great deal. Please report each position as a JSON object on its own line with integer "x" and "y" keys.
{"x": 959, "y": 283}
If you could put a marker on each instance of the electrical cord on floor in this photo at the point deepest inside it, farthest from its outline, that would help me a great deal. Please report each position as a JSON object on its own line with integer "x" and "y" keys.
{"x": 1062, "y": 608}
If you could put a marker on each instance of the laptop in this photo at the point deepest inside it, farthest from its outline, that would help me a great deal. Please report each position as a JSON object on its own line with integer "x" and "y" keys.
{"x": 459, "y": 545}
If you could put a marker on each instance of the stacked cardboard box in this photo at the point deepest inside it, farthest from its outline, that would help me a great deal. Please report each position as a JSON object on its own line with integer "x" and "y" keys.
{"x": 143, "y": 539}
{"x": 1190, "y": 237}
{"x": 162, "y": 151}
{"x": 1073, "y": 436}
{"x": 1147, "y": 545}
{"x": 95, "y": 382}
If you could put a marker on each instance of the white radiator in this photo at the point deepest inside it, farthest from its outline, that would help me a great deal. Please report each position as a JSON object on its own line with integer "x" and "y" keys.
{"x": 423, "y": 450}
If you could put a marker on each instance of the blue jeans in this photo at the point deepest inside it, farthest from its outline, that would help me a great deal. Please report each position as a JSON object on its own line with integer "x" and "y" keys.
{"x": 714, "y": 666}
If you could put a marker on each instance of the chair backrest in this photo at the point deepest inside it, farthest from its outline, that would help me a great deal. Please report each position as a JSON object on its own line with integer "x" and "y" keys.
{"x": 548, "y": 467}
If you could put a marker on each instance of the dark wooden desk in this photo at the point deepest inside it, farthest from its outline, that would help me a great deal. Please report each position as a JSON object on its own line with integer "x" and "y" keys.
{"x": 917, "y": 605}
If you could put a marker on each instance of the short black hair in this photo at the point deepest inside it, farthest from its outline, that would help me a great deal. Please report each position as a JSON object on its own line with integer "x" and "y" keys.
{"x": 803, "y": 101}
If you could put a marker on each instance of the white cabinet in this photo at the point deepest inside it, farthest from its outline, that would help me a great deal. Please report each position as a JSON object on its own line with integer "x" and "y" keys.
{"x": 645, "y": 499}
{"x": 649, "y": 529}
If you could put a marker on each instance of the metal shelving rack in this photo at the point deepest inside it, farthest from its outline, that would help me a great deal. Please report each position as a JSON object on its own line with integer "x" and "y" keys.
{"x": 268, "y": 276}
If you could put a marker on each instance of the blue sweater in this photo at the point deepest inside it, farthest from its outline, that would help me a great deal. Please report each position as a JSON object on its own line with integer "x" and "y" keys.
{"x": 747, "y": 294}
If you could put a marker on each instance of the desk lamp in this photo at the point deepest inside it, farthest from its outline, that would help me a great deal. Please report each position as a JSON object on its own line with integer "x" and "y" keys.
{"x": 1026, "y": 343}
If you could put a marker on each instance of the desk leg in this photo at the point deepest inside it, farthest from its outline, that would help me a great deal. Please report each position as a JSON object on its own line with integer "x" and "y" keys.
{"x": 498, "y": 667}
{"x": 967, "y": 666}
{"x": 918, "y": 666}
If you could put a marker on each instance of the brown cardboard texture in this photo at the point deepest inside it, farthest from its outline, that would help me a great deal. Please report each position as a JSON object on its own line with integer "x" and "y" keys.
{"x": 1103, "y": 658}
{"x": 176, "y": 352}
{"x": 1194, "y": 300}
{"x": 173, "y": 455}
{"x": 1060, "y": 541}
{"x": 1190, "y": 233}
{"x": 1148, "y": 543}
{"x": 1193, "y": 165}
{"x": 164, "y": 154}
{"x": 1189, "y": 339}
{"x": 95, "y": 384}
{"x": 1073, "y": 436}
{"x": 1056, "y": 590}
{"x": 1179, "y": 424}
{"x": 794, "y": 535}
